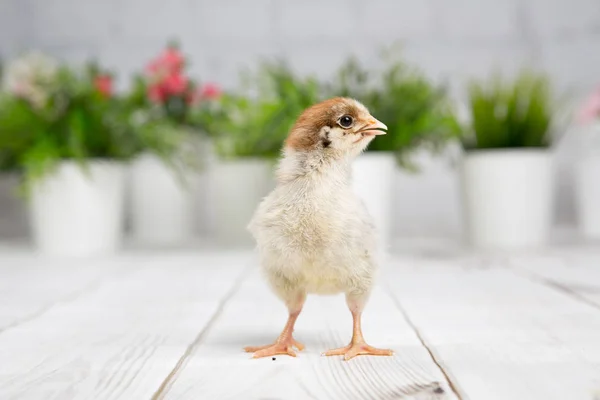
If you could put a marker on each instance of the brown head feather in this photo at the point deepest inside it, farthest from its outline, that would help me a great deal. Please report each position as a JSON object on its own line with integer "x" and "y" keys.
{"x": 305, "y": 132}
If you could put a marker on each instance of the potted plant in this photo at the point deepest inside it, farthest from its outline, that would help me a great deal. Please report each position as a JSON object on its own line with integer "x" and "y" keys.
{"x": 163, "y": 184}
{"x": 248, "y": 129}
{"x": 419, "y": 118}
{"x": 587, "y": 169}
{"x": 64, "y": 132}
{"x": 507, "y": 171}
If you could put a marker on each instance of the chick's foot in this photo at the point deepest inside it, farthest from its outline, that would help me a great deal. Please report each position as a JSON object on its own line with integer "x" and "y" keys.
{"x": 358, "y": 349}
{"x": 283, "y": 346}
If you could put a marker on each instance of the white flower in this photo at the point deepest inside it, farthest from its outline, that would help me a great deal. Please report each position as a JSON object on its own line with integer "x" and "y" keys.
{"x": 30, "y": 76}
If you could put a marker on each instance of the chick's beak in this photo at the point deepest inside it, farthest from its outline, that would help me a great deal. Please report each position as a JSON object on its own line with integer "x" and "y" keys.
{"x": 374, "y": 127}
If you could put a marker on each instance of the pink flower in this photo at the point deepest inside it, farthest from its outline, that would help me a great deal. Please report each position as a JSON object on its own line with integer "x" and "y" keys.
{"x": 591, "y": 109}
{"x": 172, "y": 60}
{"x": 210, "y": 91}
{"x": 175, "y": 84}
{"x": 104, "y": 84}
{"x": 165, "y": 75}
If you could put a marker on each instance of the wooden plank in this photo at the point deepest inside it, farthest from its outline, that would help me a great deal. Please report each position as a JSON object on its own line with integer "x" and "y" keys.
{"x": 218, "y": 368}
{"x": 30, "y": 286}
{"x": 499, "y": 335}
{"x": 121, "y": 340}
{"x": 575, "y": 272}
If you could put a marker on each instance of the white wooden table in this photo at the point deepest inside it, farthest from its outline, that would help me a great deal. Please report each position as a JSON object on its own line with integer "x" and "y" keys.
{"x": 171, "y": 325}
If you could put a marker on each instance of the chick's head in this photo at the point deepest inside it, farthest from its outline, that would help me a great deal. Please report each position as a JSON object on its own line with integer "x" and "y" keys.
{"x": 339, "y": 125}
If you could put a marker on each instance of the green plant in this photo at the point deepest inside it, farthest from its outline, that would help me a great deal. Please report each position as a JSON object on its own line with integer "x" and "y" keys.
{"x": 51, "y": 113}
{"x": 418, "y": 113}
{"x": 155, "y": 132}
{"x": 510, "y": 114}
{"x": 18, "y": 122}
{"x": 255, "y": 121}
{"x": 168, "y": 110}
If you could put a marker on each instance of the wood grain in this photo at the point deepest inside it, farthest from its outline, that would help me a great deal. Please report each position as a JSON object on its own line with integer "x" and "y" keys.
{"x": 500, "y": 335}
{"x": 254, "y": 317}
{"x": 29, "y": 286}
{"x": 121, "y": 340}
{"x": 172, "y": 326}
{"x": 576, "y": 273}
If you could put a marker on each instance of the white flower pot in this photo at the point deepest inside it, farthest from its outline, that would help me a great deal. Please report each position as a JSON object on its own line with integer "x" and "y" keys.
{"x": 587, "y": 182}
{"x": 73, "y": 214}
{"x": 587, "y": 194}
{"x": 426, "y": 201}
{"x": 202, "y": 193}
{"x": 508, "y": 198}
{"x": 373, "y": 181}
{"x": 162, "y": 206}
{"x": 237, "y": 188}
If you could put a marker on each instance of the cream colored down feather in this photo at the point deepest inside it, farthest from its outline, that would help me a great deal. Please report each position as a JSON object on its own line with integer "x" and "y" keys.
{"x": 313, "y": 233}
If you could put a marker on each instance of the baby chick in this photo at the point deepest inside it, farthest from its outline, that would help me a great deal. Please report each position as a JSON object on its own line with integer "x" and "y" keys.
{"x": 313, "y": 234}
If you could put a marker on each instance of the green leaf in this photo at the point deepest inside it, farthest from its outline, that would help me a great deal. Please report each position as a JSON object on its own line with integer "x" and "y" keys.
{"x": 510, "y": 114}
{"x": 76, "y": 123}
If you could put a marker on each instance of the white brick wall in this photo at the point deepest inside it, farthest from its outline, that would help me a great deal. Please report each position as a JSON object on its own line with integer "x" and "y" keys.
{"x": 452, "y": 40}
{"x": 14, "y": 26}
{"x": 555, "y": 19}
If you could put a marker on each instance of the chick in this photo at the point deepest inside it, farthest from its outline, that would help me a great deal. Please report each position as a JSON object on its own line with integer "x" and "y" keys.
{"x": 313, "y": 234}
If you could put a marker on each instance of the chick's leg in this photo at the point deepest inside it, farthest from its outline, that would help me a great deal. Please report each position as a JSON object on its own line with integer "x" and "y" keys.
{"x": 357, "y": 345}
{"x": 285, "y": 342}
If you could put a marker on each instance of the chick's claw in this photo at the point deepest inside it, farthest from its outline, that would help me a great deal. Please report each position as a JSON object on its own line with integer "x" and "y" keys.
{"x": 358, "y": 349}
{"x": 297, "y": 345}
{"x": 271, "y": 350}
{"x": 284, "y": 347}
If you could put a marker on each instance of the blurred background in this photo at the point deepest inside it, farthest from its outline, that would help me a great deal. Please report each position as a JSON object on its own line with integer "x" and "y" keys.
{"x": 450, "y": 43}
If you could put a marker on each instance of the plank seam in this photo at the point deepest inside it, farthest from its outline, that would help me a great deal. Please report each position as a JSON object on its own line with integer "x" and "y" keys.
{"x": 168, "y": 382}
{"x": 552, "y": 284}
{"x": 434, "y": 357}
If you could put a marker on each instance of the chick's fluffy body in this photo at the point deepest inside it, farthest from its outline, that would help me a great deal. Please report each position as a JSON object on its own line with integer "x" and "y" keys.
{"x": 314, "y": 235}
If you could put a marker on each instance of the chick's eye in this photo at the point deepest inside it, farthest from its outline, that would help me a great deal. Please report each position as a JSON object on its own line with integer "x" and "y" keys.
{"x": 346, "y": 121}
